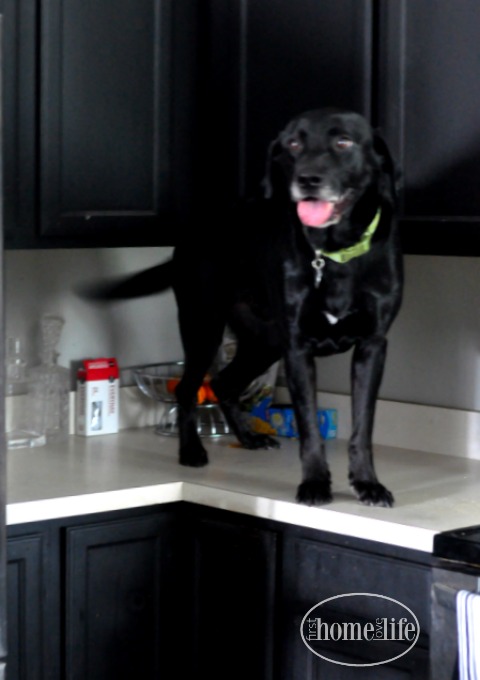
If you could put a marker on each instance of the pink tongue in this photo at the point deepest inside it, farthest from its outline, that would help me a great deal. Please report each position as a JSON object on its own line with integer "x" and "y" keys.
{"x": 314, "y": 213}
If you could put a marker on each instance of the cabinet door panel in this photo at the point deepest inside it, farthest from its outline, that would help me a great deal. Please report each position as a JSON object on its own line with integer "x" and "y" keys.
{"x": 429, "y": 97}
{"x": 19, "y": 119}
{"x": 315, "y": 571}
{"x": 266, "y": 62}
{"x": 302, "y": 663}
{"x": 327, "y": 571}
{"x": 296, "y": 59}
{"x": 234, "y": 610}
{"x": 104, "y": 118}
{"x": 117, "y": 587}
{"x": 25, "y": 600}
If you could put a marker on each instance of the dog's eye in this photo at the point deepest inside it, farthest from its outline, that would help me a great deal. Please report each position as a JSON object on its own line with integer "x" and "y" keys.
{"x": 294, "y": 145}
{"x": 343, "y": 142}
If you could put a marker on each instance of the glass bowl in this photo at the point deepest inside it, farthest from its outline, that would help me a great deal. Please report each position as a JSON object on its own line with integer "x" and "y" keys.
{"x": 158, "y": 383}
{"x": 155, "y": 381}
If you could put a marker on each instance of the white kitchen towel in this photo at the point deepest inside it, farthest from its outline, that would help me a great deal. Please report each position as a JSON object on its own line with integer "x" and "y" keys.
{"x": 468, "y": 629}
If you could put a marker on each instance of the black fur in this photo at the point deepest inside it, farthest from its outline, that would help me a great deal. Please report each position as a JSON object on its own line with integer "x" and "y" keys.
{"x": 253, "y": 270}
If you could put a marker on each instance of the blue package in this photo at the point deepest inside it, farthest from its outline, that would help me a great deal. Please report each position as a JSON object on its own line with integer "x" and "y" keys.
{"x": 282, "y": 420}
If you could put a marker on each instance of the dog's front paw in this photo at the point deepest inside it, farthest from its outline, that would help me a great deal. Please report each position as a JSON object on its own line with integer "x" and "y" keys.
{"x": 193, "y": 456}
{"x": 314, "y": 492}
{"x": 255, "y": 440}
{"x": 373, "y": 493}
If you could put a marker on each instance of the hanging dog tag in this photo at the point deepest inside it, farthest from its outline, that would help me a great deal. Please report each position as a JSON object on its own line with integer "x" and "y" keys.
{"x": 318, "y": 263}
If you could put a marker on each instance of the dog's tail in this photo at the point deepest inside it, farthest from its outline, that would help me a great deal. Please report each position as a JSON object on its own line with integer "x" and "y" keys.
{"x": 147, "y": 282}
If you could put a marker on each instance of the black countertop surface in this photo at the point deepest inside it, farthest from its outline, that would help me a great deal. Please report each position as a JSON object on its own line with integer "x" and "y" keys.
{"x": 459, "y": 545}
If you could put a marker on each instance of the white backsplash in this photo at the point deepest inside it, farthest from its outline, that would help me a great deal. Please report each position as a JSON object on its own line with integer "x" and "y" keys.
{"x": 434, "y": 345}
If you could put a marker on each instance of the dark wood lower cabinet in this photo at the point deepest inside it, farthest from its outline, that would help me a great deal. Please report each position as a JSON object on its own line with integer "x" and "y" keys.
{"x": 183, "y": 591}
{"x": 94, "y": 597}
{"x": 29, "y": 639}
{"x": 118, "y": 599}
{"x": 315, "y": 571}
{"x": 234, "y": 601}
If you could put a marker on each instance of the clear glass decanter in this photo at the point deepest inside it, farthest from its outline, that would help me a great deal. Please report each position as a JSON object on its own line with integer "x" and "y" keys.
{"x": 51, "y": 382}
{"x": 24, "y": 421}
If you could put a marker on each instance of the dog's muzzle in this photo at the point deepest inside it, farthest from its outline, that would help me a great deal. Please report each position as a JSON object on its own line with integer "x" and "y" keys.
{"x": 320, "y": 208}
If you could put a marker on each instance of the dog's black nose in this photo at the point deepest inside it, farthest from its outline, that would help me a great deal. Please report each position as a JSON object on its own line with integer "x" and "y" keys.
{"x": 309, "y": 181}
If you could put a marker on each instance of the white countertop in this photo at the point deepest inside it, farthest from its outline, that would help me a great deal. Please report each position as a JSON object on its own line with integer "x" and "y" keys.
{"x": 135, "y": 468}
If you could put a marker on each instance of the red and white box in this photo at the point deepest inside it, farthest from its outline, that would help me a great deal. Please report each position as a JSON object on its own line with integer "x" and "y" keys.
{"x": 97, "y": 397}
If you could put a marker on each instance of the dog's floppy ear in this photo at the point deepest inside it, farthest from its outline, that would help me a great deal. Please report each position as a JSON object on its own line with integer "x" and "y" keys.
{"x": 274, "y": 173}
{"x": 390, "y": 173}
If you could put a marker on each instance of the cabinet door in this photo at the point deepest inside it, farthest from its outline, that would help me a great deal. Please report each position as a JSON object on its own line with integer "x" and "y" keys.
{"x": 19, "y": 119}
{"x": 99, "y": 109}
{"x": 33, "y": 625}
{"x": 429, "y": 98}
{"x": 313, "y": 572}
{"x": 234, "y": 608}
{"x": 119, "y": 600}
{"x": 104, "y": 115}
{"x": 266, "y": 62}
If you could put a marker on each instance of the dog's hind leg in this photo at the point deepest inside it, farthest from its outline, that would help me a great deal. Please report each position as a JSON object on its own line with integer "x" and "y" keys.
{"x": 367, "y": 370}
{"x": 251, "y": 360}
{"x": 200, "y": 350}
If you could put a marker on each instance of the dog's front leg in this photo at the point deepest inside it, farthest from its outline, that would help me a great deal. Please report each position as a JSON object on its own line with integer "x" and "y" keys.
{"x": 315, "y": 488}
{"x": 367, "y": 369}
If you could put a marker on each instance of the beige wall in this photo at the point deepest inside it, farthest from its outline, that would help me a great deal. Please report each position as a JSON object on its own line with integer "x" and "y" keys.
{"x": 434, "y": 353}
{"x": 136, "y": 332}
{"x": 434, "y": 344}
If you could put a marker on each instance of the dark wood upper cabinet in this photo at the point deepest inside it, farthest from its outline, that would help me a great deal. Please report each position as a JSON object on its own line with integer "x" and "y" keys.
{"x": 300, "y": 57}
{"x": 19, "y": 117}
{"x": 428, "y": 99}
{"x": 105, "y": 110}
{"x": 99, "y": 143}
{"x": 267, "y": 61}
{"x": 125, "y": 119}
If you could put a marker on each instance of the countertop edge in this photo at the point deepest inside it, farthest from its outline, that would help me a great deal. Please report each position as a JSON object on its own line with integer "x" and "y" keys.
{"x": 323, "y": 519}
{"x": 91, "y": 503}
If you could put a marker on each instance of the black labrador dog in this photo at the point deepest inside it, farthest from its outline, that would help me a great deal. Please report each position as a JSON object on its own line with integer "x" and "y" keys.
{"x": 311, "y": 268}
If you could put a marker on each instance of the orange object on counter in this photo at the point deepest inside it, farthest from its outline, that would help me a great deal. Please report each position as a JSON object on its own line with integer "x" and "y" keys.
{"x": 172, "y": 384}
{"x": 204, "y": 394}
{"x": 201, "y": 395}
{"x": 210, "y": 394}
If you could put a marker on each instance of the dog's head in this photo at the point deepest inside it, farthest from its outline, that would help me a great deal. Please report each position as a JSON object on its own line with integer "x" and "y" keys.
{"x": 325, "y": 160}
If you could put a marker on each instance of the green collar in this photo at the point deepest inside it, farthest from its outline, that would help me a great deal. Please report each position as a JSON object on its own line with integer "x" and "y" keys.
{"x": 359, "y": 248}
{"x": 346, "y": 254}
